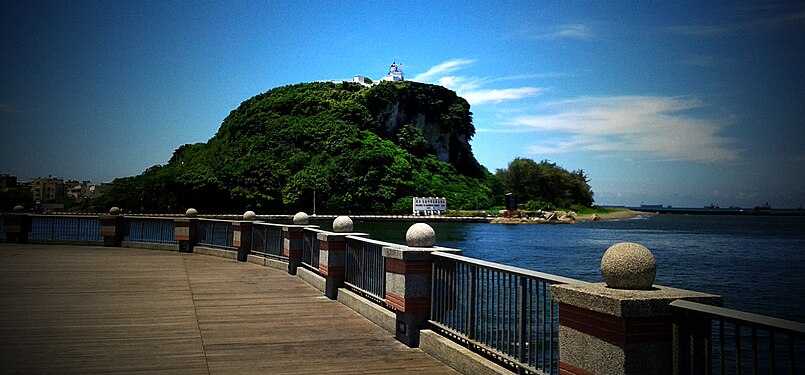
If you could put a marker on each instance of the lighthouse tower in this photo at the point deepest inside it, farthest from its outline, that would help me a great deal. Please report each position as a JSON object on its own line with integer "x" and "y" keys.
{"x": 395, "y": 74}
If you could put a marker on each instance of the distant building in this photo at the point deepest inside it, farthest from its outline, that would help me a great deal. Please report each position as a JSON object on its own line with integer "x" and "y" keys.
{"x": 98, "y": 190}
{"x": 47, "y": 189}
{"x": 77, "y": 190}
{"x": 8, "y": 182}
{"x": 429, "y": 206}
{"x": 395, "y": 74}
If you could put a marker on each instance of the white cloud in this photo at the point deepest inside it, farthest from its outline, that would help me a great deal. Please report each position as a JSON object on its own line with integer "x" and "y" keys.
{"x": 442, "y": 69}
{"x": 651, "y": 125}
{"x": 472, "y": 88}
{"x": 751, "y": 26}
{"x": 568, "y": 31}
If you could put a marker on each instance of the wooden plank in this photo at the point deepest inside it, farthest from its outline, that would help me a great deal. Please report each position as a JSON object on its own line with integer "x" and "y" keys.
{"x": 75, "y": 309}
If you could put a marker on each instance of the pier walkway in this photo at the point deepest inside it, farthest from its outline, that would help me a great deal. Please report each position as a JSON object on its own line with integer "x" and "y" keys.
{"x": 84, "y": 309}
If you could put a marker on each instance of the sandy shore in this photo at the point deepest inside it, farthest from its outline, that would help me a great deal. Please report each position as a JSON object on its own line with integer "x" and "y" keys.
{"x": 619, "y": 215}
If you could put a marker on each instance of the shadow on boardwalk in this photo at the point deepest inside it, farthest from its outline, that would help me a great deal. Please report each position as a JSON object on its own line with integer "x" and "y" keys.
{"x": 69, "y": 309}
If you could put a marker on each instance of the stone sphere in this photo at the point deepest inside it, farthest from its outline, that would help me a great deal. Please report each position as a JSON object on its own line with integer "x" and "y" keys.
{"x": 191, "y": 212}
{"x": 628, "y": 265}
{"x": 114, "y": 211}
{"x": 342, "y": 224}
{"x": 301, "y": 218}
{"x": 19, "y": 209}
{"x": 420, "y": 235}
{"x": 249, "y": 215}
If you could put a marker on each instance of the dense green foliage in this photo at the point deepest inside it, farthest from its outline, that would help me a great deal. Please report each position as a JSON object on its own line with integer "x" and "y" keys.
{"x": 545, "y": 185}
{"x": 340, "y": 142}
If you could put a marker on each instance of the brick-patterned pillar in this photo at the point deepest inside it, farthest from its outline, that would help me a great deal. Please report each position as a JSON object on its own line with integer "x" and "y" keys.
{"x": 332, "y": 256}
{"x": 242, "y": 238}
{"x": 16, "y": 226}
{"x": 293, "y": 237}
{"x": 623, "y": 326}
{"x": 186, "y": 232}
{"x": 408, "y": 288}
{"x": 112, "y": 229}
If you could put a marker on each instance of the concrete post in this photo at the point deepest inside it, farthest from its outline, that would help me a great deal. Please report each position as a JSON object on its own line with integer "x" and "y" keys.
{"x": 408, "y": 281}
{"x": 293, "y": 237}
{"x": 408, "y": 288}
{"x": 332, "y": 260}
{"x": 16, "y": 226}
{"x": 242, "y": 238}
{"x": 605, "y": 328}
{"x": 112, "y": 229}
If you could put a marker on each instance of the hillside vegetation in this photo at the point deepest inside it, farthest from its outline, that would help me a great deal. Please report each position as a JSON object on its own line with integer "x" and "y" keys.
{"x": 355, "y": 149}
{"x": 360, "y": 149}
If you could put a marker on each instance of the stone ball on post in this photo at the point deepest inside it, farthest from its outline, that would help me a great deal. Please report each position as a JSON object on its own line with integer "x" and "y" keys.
{"x": 420, "y": 235}
{"x": 114, "y": 211}
{"x": 342, "y": 224}
{"x": 249, "y": 216}
{"x": 628, "y": 265}
{"x": 301, "y": 218}
{"x": 19, "y": 209}
{"x": 191, "y": 212}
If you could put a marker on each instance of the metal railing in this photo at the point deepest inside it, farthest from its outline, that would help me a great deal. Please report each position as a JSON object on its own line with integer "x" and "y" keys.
{"x": 149, "y": 230}
{"x": 504, "y": 312}
{"x": 365, "y": 267}
{"x": 67, "y": 228}
{"x": 2, "y": 230}
{"x": 310, "y": 249}
{"x": 267, "y": 240}
{"x": 744, "y": 342}
{"x": 215, "y": 233}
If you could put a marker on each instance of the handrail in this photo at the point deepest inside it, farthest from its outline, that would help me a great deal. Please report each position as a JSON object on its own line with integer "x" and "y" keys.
{"x": 737, "y": 316}
{"x": 553, "y": 279}
{"x": 374, "y": 242}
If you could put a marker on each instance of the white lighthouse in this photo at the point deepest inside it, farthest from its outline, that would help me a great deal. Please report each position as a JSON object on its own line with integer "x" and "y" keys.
{"x": 395, "y": 74}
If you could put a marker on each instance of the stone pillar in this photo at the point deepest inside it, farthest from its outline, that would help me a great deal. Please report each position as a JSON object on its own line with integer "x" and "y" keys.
{"x": 408, "y": 281}
{"x": 17, "y": 226}
{"x": 293, "y": 237}
{"x": 186, "y": 231}
{"x": 622, "y": 326}
{"x": 332, "y": 254}
{"x": 242, "y": 238}
{"x": 112, "y": 228}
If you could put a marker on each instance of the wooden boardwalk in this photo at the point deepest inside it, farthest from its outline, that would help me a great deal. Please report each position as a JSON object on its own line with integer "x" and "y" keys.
{"x": 81, "y": 309}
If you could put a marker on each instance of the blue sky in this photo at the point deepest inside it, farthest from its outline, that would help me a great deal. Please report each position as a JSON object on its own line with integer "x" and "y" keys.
{"x": 659, "y": 102}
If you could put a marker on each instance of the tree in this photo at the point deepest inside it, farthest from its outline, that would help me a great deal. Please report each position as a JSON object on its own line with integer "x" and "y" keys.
{"x": 546, "y": 184}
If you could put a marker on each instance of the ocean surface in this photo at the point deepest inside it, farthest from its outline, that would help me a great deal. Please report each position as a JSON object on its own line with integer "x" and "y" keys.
{"x": 756, "y": 263}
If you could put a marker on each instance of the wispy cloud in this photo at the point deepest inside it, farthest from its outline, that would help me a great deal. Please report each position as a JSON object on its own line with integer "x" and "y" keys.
{"x": 567, "y": 31}
{"x": 752, "y": 26}
{"x": 475, "y": 89}
{"x": 652, "y": 125}
{"x": 442, "y": 69}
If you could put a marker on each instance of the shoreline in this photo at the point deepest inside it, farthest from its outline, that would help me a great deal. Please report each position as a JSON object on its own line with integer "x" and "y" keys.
{"x": 618, "y": 215}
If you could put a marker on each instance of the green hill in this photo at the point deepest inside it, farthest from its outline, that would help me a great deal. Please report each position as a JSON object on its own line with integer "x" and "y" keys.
{"x": 360, "y": 149}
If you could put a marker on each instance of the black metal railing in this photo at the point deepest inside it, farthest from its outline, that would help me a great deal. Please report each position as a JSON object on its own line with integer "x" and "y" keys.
{"x": 365, "y": 267}
{"x": 505, "y": 312}
{"x": 67, "y": 228}
{"x": 708, "y": 338}
{"x": 215, "y": 233}
{"x": 149, "y": 230}
{"x": 310, "y": 249}
{"x": 267, "y": 240}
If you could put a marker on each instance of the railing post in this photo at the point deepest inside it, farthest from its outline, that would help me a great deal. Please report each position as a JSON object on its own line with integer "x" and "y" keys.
{"x": 112, "y": 228}
{"x": 332, "y": 254}
{"x": 622, "y": 326}
{"x": 242, "y": 238}
{"x": 408, "y": 281}
{"x": 293, "y": 237}
{"x": 17, "y": 225}
{"x": 186, "y": 231}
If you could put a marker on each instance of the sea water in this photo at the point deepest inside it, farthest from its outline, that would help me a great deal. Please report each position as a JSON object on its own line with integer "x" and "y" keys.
{"x": 757, "y": 263}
